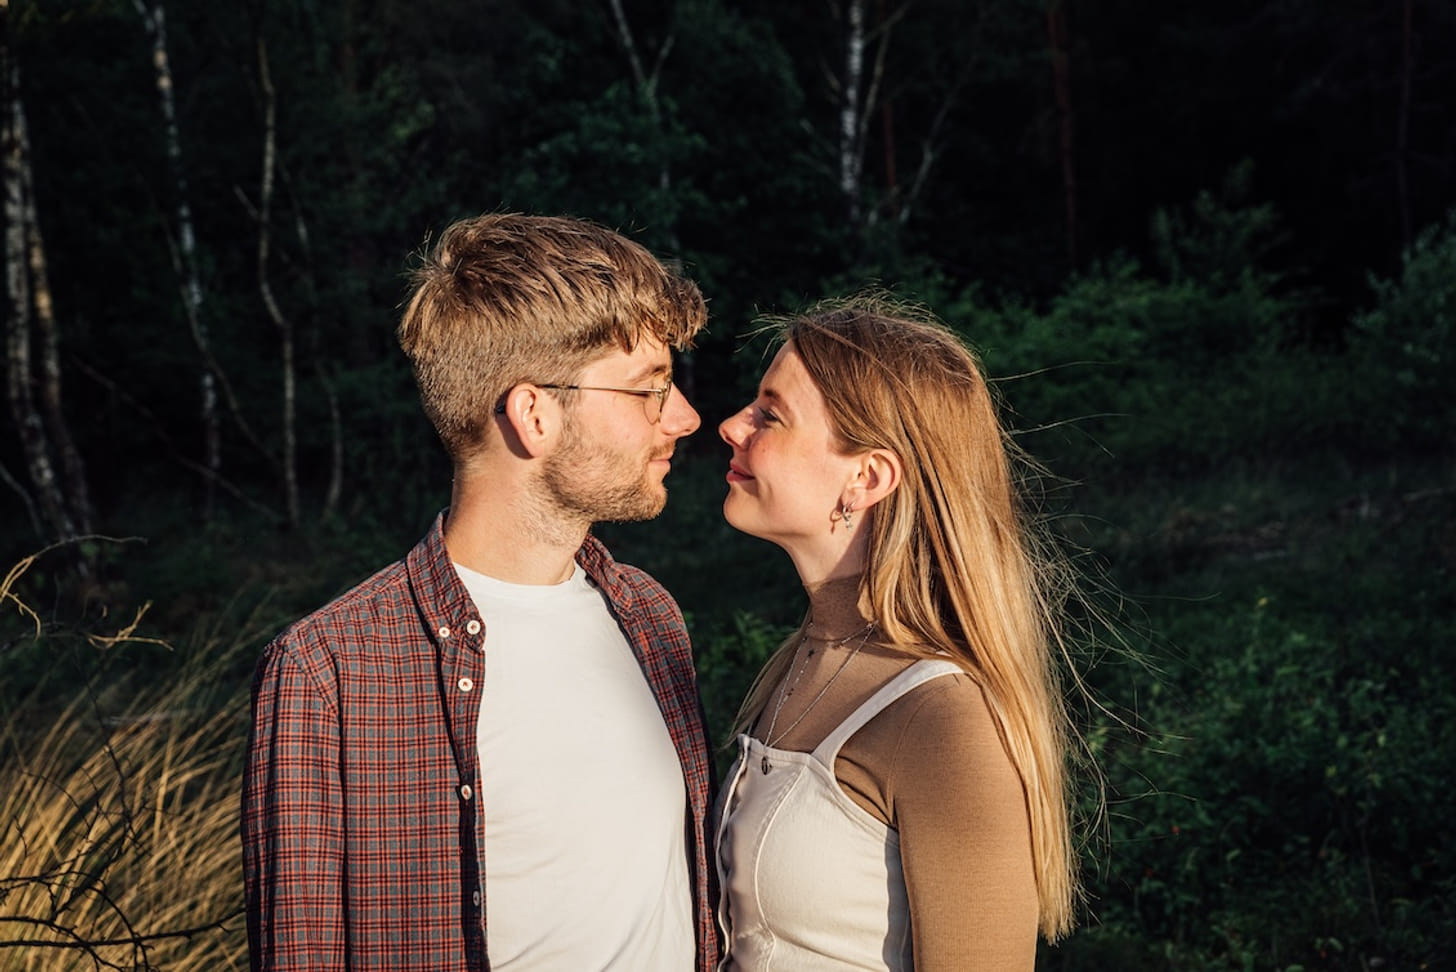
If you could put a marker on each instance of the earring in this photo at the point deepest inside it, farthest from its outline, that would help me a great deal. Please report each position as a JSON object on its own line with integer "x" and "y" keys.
{"x": 845, "y": 511}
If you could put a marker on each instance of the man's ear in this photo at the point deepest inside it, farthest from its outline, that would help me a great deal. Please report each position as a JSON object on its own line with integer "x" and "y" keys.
{"x": 532, "y": 420}
{"x": 879, "y": 475}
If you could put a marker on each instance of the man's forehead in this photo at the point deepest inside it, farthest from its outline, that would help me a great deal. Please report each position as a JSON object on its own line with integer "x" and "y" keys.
{"x": 649, "y": 357}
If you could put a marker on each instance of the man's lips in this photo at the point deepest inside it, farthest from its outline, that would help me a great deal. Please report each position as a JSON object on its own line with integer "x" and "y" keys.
{"x": 736, "y": 473}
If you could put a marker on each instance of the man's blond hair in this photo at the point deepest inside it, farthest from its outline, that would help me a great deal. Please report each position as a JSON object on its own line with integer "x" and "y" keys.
{"x": 506, "y": 298}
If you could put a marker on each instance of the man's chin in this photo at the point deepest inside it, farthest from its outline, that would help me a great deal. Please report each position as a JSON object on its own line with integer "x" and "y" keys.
{"x": 649, "y": 506}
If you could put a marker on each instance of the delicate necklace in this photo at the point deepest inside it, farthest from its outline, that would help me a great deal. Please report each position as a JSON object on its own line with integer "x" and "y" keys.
{"x": 769, "y": 738}
{"x": 832, "y": 643}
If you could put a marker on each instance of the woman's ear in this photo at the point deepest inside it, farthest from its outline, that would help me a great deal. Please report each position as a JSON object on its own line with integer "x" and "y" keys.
{"x": 879, "y": 475}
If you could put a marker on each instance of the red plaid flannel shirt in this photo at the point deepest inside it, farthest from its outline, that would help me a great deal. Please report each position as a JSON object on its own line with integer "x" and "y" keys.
{"x": 360, "y": 819}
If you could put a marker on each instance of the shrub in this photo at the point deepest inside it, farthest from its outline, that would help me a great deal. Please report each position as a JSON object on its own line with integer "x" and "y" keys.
{"x": 1405, "y": 347}
{"x": 119, "y": 846}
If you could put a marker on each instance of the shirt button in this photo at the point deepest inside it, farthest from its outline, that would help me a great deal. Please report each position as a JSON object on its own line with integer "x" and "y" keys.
{"x": 465, "y": 684}
{"x": 476, "y": 898}
{"x": 466, "y": 792}
{"x": 472, "y": 626}
{"x": 444, "y": 631}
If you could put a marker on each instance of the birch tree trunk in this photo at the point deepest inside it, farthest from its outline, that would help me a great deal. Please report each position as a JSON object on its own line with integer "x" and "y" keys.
{"x": 1402, "y": 124}
{"x": 154, "y": 18}
{"x": 280, "y": 320}
{"x": 851, "y": 127}
{"x": 64, "y": 509}
{"x": 646, "y": 84}
{"x": 73, "y": 470}
{"x": 861, "y": 96}
{"x": 1062, "y": 80}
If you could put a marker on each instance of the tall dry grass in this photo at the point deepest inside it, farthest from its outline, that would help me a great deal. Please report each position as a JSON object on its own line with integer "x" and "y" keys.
{"x": 119, "y": 819}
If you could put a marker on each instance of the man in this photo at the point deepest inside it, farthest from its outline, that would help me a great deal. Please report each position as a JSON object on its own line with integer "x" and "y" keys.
{"x": 491, "y": 754}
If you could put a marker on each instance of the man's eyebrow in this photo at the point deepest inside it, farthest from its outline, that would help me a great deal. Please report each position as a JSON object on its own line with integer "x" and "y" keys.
{"x": 651, "y": 370}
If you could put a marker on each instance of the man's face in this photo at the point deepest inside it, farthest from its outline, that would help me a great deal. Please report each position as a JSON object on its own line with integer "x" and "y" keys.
{"x": 612, "y": 459}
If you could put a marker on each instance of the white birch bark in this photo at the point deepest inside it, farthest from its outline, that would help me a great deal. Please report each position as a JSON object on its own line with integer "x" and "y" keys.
{"x": 851, "y": 127}
{"x": 280, "y": 320}
{"x": 861, "y": 91}
{"x": 20, "y": 390}
{"x": 154, "y": 18}
{"x": 74, "y": 485}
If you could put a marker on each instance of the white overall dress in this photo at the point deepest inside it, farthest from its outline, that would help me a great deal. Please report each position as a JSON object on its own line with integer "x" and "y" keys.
{"x": 810, "y": 881}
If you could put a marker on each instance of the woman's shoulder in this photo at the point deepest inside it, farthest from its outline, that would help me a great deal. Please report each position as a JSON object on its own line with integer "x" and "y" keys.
{"x": 938, "y": 742}
{"x": 955, "y": 695}
{"x": 947, "y": 719}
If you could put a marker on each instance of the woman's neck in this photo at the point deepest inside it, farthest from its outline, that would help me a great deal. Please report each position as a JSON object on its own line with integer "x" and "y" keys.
{"x": 834, "y": 607}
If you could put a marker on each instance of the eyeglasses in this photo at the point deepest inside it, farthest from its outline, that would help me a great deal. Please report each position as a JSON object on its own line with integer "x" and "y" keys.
{"x": 653, "y": 399}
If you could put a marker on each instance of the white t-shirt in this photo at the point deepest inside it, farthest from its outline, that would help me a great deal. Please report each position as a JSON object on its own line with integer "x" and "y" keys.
{"x": 583, "y": 801}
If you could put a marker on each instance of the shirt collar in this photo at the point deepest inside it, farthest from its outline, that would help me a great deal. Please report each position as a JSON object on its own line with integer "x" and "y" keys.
{"x": 446, "y": 606}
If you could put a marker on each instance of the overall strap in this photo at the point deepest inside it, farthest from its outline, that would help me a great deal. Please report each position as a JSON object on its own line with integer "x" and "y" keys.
{"x": 917, "y": 674}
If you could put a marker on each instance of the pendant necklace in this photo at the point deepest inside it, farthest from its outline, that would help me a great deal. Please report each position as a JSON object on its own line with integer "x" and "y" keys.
{"x": 769, "y": 738}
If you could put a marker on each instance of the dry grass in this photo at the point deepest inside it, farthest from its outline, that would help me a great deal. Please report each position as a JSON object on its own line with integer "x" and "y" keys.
{"x": 118, "y": 829}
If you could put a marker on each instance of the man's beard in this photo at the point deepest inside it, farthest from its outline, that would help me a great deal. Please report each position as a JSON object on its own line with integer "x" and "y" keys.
{"x": 590, "y": 483}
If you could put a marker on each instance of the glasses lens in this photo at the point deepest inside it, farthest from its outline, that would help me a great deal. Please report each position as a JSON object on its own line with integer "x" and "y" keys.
{"x": 657, "y": 400}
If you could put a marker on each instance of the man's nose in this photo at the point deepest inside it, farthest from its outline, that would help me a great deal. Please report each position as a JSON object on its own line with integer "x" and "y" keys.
{"x": 678, "y": 415}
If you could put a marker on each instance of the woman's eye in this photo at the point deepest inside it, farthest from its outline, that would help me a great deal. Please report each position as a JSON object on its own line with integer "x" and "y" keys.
{"x": 765, "y": 416}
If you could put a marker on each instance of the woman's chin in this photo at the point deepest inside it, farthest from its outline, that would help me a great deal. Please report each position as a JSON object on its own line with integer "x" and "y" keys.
{"x": 736, "y": 518}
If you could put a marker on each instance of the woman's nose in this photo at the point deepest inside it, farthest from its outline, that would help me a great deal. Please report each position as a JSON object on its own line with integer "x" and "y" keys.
{"x": 732, "y": 428}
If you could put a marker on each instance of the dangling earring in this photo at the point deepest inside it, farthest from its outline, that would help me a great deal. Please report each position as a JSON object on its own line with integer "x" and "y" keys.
{"x": 845, "y": 511}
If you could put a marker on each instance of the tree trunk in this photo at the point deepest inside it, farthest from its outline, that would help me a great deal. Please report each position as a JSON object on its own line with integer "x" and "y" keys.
{"x": 73, "y": 469}
{"x": 336, "y": 451}
{"x": 22, "y": 244}
{"x": 851, "y": 143}
{"x": 280, "y": 320}
{"x": 646, "y": 83}
{"x": 1402, "y": 124}
{"x": 1062, "y": 81}
{"x": 154, "y": 17}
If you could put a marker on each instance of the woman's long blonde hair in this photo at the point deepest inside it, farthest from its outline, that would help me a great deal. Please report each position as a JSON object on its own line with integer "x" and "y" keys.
{"x": 954, "y": 565}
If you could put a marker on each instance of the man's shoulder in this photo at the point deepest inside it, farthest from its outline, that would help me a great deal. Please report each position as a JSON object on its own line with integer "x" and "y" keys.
{"x": 379, "y": 599}
{"x": 633, "y": 588}
{"x": 640, "y": 581}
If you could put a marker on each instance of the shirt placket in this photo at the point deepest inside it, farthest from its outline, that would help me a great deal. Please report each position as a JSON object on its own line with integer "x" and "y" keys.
{"x": 461, "y": 654}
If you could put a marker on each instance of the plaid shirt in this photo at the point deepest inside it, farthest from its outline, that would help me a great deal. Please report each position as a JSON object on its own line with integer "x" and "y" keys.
{"x": 361, "y": 825}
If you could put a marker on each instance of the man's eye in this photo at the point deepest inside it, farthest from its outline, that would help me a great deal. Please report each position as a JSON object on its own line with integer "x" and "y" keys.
{"x": 765, "y": 416}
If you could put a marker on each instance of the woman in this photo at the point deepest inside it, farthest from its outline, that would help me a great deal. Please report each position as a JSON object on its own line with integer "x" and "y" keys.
{"x": 899, "y": 800}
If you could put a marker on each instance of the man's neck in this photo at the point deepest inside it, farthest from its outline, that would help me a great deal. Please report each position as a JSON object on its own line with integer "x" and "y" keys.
{"x": 496, "y": 532}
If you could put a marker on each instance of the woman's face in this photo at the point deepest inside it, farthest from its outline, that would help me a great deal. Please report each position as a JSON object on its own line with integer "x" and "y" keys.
{"x": 786, "y": 477}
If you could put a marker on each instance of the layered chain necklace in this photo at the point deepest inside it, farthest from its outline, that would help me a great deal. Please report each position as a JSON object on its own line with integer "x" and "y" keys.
{"x": 796, "y": 669}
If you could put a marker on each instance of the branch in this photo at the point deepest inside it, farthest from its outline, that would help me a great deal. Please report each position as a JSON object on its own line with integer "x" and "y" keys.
{"x": 211, "y": 476}
{"x": 134, "y": 940}
{"x": 30, "y": 510}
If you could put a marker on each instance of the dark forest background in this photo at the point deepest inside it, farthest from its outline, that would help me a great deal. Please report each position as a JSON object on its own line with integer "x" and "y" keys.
{"x": 1206, "y": 249}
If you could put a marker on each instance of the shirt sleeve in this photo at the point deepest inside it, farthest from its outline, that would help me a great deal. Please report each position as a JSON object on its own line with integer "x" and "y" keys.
{"x": 965, "y": 839}
{"x": 292, "y": 826}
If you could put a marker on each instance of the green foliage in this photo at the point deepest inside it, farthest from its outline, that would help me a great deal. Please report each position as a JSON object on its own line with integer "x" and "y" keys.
{"x": 1184, "y": 371}
{"x": 614, "y": 164}
{"x": 730, "y": 654}
{"x": 1280, "y": 813}
{"x": 1223, "y": 241}
{"x": 1405, "y": 346}
{"x": 1256, "y": 453}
